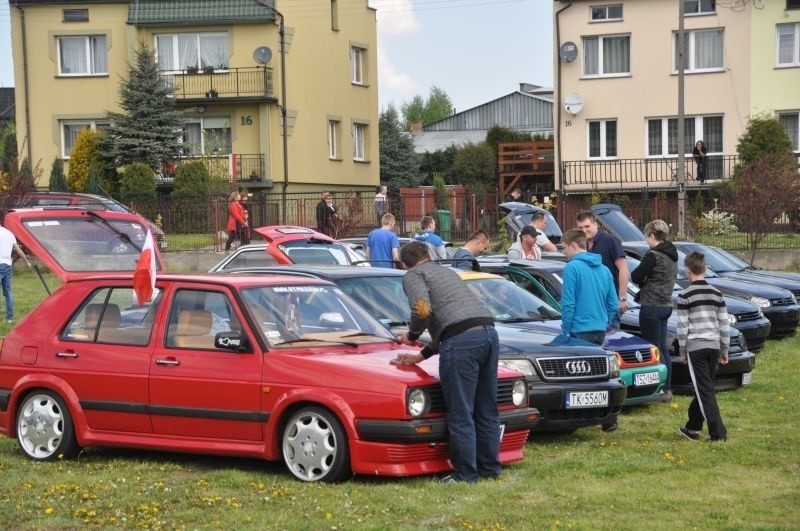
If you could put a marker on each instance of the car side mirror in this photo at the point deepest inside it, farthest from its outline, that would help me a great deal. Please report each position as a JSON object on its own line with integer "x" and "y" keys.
{"x": 232, "y": 340}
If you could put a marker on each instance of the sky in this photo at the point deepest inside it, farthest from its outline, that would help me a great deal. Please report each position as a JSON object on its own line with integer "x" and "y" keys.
{"x": 474, "y": 50}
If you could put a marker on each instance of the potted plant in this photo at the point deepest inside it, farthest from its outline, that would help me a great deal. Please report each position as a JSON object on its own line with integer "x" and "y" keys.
{"x": 191, "y": 69}
{"x": 442, "y": 206}
{"x": 208, "y": 69}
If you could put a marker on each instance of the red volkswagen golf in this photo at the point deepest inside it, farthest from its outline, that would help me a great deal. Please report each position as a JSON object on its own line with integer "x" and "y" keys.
{"x": 269, "y": 367}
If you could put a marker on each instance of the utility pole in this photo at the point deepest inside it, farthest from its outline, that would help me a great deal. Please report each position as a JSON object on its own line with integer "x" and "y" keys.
{"x": 681, "y": 169}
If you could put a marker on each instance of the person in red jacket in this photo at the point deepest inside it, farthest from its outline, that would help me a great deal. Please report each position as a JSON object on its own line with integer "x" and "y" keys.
{"x": 236, "y": 221}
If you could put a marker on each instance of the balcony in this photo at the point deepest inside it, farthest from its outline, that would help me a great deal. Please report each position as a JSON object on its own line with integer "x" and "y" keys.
{"x": 637, "y": 174}
{"x": 235, "y": 168}
{"x": 249, "y": 83}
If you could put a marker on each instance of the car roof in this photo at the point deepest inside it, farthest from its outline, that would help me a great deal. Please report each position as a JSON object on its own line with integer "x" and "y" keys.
{"x": 328, "y": 271}
{"x": 217, "y": 278}
{"x": 283, "y": 233}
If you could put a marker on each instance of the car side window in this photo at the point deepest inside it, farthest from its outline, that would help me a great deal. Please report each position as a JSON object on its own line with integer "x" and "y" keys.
{"x": 254, "y": 258}
{"x": 196, "y": 316}
{"x": 111, "y": 315}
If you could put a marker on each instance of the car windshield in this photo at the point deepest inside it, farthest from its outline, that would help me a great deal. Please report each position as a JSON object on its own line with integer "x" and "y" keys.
{"x": 315, "y": 252}
{"x": 383, "y": 297}
{"x": 510, "y": 303}
{"x": 317, "y": 314}
{"x": 89, "y": 243}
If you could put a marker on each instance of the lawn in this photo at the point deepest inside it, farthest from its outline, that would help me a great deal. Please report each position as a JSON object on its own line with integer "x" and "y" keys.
{"x": 642, "y": 476}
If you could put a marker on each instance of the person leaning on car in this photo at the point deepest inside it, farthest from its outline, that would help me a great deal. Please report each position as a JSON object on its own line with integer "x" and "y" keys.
{"x": 462, "y": 333}
{"x": 656, "y": 276}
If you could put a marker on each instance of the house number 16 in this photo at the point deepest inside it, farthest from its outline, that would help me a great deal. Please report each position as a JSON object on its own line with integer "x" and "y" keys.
{"x": 247, "y": 120}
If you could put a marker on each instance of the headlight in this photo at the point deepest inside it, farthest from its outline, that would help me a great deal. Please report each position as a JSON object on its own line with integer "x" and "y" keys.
{"x": 655, "y": 353}
{"x": 519, "y": 393}
{"x": 417, "y": 404}
{"x": 742, "y": 342}
{"x": 613, "y": 365}
{"x": 732, "y": 319}
{"x": 523, "y": 366}
{"x": 761, "y": 302}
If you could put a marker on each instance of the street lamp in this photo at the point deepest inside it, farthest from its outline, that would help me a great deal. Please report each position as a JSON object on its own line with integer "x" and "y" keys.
{"x": 282, "y": 105}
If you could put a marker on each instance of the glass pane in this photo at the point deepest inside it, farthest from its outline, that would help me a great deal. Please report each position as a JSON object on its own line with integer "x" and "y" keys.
{"x": 594, "y": 139}
{"x": 791, "y": 124}
{"x": 654, "y": 137}
{"x": 71, "y": 132}
{"x": 611, "y": 138}
{"x": 73, "y": 55}
{"x": 688, "y": 134}
{"x": 615, "y": 11}
{"x": 672, "y": 136}
{"x": 187, "y": 51}
{"x": 191, "y": 138}
{"x": 590, "y": 56}
{"x": 598, "y": 13}
{"x": 712, "y": 133}
{"x": 691, "y": 6}
{"x": 786, "y": 43}
{"x": 708, "y": 49}
{"x": 165, "y": 51}
{"x": 99, "y": 59}
{"x": 707, "y": 6}
{"x": 616, "y": 55}
{"x": 214, "y": 51}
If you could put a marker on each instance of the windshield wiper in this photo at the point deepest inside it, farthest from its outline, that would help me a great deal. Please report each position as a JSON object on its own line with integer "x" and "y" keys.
{"x": 521, "y": 320}
{"x": 315, "y": 340}
{"x": 367, "y": 334}
{"x": 122, "y": 235}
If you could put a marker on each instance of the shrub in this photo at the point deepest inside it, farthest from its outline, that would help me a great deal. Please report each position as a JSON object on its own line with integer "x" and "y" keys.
{"x": 191, "y": 197}
{"x": 138, "y": 189}
{"x": 58, "y": 181}
{"x": 83, "y": 157}
{"x": 716, "y": 222}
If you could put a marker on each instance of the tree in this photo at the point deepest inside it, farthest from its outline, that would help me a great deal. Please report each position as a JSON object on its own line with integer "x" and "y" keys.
{"x": 58, "y": 181}
{"x": 436, "y": 107}
{"x": 764, "y": 135}
{"x": 146, "y": 129}
{"x": 398, "y": 162}
{"x": 474, "y": 166}
{"x": 85, "y": 156}
{"x": 439, "y": 161}
{"x": 191, "y": 195}
{"x": 138, "y": 189}
{"x": 15, "y": 180}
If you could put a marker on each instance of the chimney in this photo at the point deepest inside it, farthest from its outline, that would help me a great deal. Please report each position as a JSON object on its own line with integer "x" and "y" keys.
{"x": 416, "y": 127}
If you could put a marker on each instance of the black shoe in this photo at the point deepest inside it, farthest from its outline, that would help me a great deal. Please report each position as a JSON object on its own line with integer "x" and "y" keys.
{"x": 689, "y": 434}
{"x": 611, "y": 426}
{"x": 665, "y": 396}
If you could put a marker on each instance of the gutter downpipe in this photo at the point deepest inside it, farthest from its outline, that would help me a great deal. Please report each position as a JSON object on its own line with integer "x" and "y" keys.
{"x": 27, "y": 92}
{"x": 561, "y": 211}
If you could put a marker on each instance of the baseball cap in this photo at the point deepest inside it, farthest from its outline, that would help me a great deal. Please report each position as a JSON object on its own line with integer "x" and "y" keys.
{"x": 529, "y": 231}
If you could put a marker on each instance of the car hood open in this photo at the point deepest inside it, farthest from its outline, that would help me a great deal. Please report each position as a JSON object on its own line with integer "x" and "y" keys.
{"x": 518, "y": 215}
{"x": 76, "y": 243}
{"x": 614, "y": 220}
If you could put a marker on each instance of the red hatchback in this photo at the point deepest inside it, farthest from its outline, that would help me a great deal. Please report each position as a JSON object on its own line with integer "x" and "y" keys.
{"x": 270, "y": 367}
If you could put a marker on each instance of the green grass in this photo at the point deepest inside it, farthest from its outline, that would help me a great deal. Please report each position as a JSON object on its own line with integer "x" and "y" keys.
{"x": 643, "y": 476}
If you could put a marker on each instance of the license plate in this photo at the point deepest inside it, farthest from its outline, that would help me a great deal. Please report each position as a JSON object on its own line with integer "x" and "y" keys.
{"x": 747, "y": 378}
{"x": 502, "y": 431}
{"x": 646, "y": 378}
{"x": 587, "y": 399}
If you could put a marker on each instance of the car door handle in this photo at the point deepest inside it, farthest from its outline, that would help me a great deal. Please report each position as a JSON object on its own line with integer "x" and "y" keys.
{"x": 66, "y": 354}
{"x": 167, "y": 362}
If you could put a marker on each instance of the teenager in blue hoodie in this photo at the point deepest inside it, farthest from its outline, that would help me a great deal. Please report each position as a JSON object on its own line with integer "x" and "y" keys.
{"x": 589, "y": 301}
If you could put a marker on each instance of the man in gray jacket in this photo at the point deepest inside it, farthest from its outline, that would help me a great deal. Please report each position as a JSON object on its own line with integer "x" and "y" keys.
{"x": 463, "y": 334}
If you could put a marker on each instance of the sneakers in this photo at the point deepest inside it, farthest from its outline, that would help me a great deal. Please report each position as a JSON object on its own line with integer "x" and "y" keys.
{"x": 9, "y": 320}
{"x": 612, "y": 426}
{"x": 665, "y": 396}
{"x": 448, "y": 479}
{"x": 689, "y": 434}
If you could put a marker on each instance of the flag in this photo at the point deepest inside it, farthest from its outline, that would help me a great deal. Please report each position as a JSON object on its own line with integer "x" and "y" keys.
{"x": 144, "y": 278}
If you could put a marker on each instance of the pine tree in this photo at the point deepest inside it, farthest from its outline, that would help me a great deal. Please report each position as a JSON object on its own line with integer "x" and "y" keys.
{"x": 399, "y": 162}
{"x": 58, "y": 181}
{"x": 146, "y": 131}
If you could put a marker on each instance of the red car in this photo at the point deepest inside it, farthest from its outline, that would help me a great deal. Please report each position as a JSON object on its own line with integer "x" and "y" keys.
{"x": 271, "y": 367}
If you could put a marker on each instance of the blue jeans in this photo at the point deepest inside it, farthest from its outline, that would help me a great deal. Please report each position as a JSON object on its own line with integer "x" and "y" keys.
{"x": 653, "y": 325}
{"x": 5, "y": 279}
{"x": 468, "y": 372}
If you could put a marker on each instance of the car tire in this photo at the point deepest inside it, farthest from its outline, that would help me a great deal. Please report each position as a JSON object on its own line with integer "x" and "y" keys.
{"x": 315, "y": 446}
{"x": 44, "y": 427}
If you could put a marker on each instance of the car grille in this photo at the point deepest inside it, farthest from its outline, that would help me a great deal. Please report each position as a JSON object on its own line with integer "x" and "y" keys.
{"x": 505, "y": 388}
{"x": 573, "y": 368}
{"x": 755, "y": 344}
{"x": 786, "y": 301}
{"x": 629, "y": 356}
{"x": 748, "y": 316}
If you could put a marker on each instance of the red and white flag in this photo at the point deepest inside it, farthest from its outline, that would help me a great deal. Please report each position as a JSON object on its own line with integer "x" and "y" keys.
{"x": 144, "y": 278}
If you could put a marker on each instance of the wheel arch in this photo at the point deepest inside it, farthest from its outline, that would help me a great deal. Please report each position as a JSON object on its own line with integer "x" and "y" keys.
{"x": 33, "y": 382}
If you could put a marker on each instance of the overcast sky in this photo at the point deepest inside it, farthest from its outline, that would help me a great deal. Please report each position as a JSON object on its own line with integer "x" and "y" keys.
{"x": 475, "y": 50}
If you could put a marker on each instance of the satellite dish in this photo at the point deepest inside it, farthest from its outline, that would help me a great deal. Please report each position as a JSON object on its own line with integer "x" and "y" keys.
{"x": 568, "y": 52}
{"x": 573, "y": 103}
{"x": 262, "y": 55}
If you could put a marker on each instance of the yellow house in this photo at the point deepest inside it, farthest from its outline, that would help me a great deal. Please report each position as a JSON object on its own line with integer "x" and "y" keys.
{"x": 617, "y": 86}
{"x": 226, "y": 61}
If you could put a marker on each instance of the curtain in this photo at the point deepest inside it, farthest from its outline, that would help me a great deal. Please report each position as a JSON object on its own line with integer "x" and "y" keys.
{"x": 71, "y": 132}
{"x": 73, "y": 55}
{"x": 99, "y": 58}
{"x": 786, "y": 44}
{"x": 712, "y": 133}
{"x": 616, "y": 55}
{"x": 791, "y": 124}
{"x": 165, "y": 51}
{"x": 187, "y": 51}
{"x": 591, "y": 56}
{"x": 708, "y": 49}
{"x": 191, "y": 138}
{"x": 214, "y": 51}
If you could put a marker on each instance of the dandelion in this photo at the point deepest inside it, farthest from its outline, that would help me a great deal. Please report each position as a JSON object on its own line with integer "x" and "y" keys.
{"x": 49, "y": 510}
{"x": 328, "y": 516}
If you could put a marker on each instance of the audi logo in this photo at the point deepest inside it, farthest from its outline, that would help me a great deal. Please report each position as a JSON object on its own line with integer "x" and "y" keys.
{"x": 579, "y": 367}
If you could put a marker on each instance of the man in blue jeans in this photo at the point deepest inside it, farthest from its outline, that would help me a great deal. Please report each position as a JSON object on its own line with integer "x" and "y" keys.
{"x": 8, "y": 244}
{"x": 462, "y": 333}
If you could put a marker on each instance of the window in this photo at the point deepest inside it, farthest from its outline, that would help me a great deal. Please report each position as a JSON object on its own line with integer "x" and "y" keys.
{"x": 82, "y": 55}
{"x": 788, "y": 37}
{"x": 699, "y": 7}
{"x": 791, "y": 124}
{"x": 662, "y": 135}
{"x": 602, "y": 139}
{"x": 182, "y": 51}
{"x": 207, "y": 136}
{"x": 359, "y": 141}
{"x": 357, "y": 56}
{"x": 606, "y": 13}
{"x": 792, "y": 4}
{"x": 110, "y": 315}
{"x": 703, "y": 50}
{"x": 606, "y": 55}
{"x": 75, "y": 15}
{"x": 335, "y": 15}
{"x": 334, "y": 139}
{"x": 197, "y": 316}
{"x": 70, "y": 129}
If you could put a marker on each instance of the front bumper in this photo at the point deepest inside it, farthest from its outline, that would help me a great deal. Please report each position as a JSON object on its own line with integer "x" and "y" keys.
{"x": 755, "y": 332}
{"x": 728, "y": 376}
{"x": 644, "y": 393}
{"x": 784, "y": 320}
{"x": 551, "y": 398}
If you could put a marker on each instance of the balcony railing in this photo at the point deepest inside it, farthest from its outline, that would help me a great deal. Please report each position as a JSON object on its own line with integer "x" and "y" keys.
{"x": 641, "y": 173}
{"x": 249, "y": 82}
{"x": 234, "y": 167}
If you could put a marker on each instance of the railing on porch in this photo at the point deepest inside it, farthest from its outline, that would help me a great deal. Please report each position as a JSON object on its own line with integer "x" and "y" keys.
{"x": 248, "y": 167}
{"x": 220, "y": 83}
{"x": 660, "y": 173}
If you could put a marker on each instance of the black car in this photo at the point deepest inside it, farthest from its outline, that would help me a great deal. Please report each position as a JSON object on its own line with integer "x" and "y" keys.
{"x": 519, "y": 215}
{"x": 543, "y": 278}
{"x": 778, "y": 305}
{"x": 545, "y": 358}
